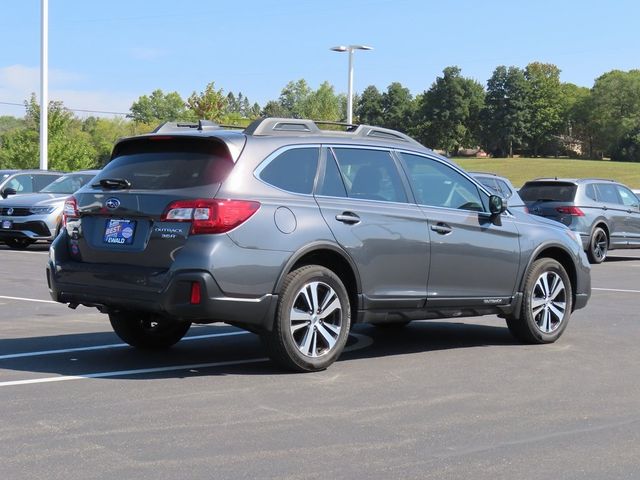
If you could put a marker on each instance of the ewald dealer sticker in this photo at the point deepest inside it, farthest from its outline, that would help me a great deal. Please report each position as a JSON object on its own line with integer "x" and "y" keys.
{"x": 119, "y": 231}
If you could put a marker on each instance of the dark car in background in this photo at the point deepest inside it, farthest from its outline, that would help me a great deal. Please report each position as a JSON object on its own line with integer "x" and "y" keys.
{"x": 17, "y": 182}
{"x": 605, "y": 213}
{"x": 501, "y": 186}
{"x": 25, "y": 219}
{"x": 295, "y": 233}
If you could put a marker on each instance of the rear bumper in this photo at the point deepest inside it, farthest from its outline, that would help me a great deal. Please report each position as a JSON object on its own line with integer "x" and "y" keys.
{"x": 170, "y": 297}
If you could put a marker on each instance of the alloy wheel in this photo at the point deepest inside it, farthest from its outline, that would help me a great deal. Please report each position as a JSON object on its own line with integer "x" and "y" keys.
{"x": 548, "y": 302}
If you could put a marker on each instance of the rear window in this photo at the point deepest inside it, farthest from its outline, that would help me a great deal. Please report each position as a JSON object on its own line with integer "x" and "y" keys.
{"x": 548, "y": 192}
{"x": 164, "y": 163}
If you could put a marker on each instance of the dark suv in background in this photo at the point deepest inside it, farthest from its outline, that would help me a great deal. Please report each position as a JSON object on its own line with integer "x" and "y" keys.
{"x": 295, "y": 233}
{"x": 605, "y": 213}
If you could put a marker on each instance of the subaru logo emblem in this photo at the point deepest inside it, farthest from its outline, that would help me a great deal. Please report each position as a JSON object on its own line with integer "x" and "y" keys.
{"x": 10, "y": 211}
{"x": 112, "y": 203}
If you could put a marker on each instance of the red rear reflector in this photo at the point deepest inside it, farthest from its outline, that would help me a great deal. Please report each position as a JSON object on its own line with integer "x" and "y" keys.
{"x": 210, "y": 215}
{"x": 195, "y": 293}
{"x": 573, "y": 211}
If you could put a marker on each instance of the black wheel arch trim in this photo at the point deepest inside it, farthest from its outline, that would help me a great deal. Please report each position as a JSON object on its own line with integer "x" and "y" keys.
{"x": 316, "y": 247}
{"x": 536, "y": 254}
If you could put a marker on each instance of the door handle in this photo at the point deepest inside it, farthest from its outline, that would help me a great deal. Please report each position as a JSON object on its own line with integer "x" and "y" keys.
{"x": 441, "y": 228}
{"x": 604, "y": 207}
{"x": 349, "y": 218}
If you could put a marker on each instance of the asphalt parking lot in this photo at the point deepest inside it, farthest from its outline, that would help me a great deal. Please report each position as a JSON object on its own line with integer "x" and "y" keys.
{"x": 436, "y": 400}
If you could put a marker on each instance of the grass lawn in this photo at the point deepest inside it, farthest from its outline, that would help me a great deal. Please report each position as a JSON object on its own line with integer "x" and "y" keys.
{"x": 519, "y": 170}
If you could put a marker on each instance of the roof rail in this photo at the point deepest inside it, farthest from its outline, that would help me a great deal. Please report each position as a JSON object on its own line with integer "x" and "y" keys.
{"x": 181, "y": 126}
{"x": 281, "y": 126}
{"x": 292, "y": 126}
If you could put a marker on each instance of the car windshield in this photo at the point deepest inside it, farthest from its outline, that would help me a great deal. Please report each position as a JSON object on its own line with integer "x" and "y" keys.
{"x": 548, "y": 192}
{"x": 68, "y": 183}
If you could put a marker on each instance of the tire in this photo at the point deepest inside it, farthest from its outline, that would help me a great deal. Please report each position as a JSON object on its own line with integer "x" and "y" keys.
{"x": 18, "y": 243}
{"x": 598, "y": 246}
{"x": 312, "y": 320}
{"x": 146, "y": 330}
{"x": 546, "y": 304}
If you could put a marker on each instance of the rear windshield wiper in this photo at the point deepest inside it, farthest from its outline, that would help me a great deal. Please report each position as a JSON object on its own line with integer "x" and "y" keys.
{"x": 113, "y": 183}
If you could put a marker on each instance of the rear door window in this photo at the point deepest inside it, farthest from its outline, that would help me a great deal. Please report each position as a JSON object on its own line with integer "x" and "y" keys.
{"x": 607, "y": 192}
{"x": 162, "y": 163}
{"x": 370, "y": 174}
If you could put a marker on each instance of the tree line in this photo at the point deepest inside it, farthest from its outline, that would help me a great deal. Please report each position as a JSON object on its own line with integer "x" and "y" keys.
{"x": 526, "y": 111}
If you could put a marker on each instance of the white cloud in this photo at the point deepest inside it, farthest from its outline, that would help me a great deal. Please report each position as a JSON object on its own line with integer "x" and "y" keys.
{"x": 17, "y": 82}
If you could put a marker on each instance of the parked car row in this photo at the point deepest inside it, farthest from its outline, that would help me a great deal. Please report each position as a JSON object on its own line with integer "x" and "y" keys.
{"x": 27, "y": 217}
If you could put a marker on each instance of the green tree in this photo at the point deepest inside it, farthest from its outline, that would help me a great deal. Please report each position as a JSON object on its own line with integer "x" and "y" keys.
{"x": 104, "y": 132}
{"x": 274, "y": 108}
{"x": 293, "y": 97}
{"x": 543, "y": 104}
{"x": 159, "y": 107}
{"x": 69, "y": 148}
{"x": 448, "y": 114}
{"x": 504, "y": 117}
{"x": 368, "y": 108}
{"x": 321, "y": 104}
{"x": 398, "y": 107}
{"x": 615, "y": 113}
{"x": 210, "y": 104}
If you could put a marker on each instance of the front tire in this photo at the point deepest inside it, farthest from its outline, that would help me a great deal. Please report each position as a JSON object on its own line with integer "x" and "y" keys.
{"x": 546, "y": 305}
{"x": 598, "y": 246}
{"x": 312, "y": 320}
{"x": 146, "y": 330}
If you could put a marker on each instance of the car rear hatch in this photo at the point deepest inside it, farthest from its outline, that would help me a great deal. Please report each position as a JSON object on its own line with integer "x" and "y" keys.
{"x": 551, "y": 199}
{"x": 137, "y": 211}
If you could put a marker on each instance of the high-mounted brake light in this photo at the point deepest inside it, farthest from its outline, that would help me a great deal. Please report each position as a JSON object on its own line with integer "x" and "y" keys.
{"x": 70, "y": 210}
{"x": 573, "y": 211}
{"x": 210, "y": 215}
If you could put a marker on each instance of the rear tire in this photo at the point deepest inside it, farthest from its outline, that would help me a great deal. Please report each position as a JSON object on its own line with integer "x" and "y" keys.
{"x": 598, "y": 246}
{"x": 546, "y": 304}
{"x": 146, "y": 330}
{"x": 312, "y": 321}
{"x": 18, "y": 243}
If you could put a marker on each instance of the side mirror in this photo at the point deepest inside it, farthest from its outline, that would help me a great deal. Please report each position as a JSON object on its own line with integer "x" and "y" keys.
{"x": 497, "y": 205}
{"x": 7, "y": 191}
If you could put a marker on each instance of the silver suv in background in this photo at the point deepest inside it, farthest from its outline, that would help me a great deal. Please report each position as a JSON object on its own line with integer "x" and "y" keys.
{"x": 24, "y": 219}
{"x": 295, "y": 233}
{"x": 501, "y": 186}
{"x": 18, "y": 182}
{"x": 605, "y": 213}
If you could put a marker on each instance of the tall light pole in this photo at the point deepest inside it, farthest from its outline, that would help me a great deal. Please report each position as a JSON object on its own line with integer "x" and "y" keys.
{"x": 350, "y": 49}
{"x": 44, "y": 85}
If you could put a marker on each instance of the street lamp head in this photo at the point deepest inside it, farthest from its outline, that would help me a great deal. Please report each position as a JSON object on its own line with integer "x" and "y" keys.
{"x": 340, "y": 48}
{"x": 360, "y": 47}
{"x": 350, "y": 48}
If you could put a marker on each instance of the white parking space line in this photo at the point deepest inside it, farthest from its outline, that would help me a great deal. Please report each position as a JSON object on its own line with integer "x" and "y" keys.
{"x": 29, "y": 299}
{"x": 130, "y": 372}
{"x": 108, "y": 346}
{"x": 363, "y": 341}
{"x": 22, "y": 251}
{"x": 615, "y": 290}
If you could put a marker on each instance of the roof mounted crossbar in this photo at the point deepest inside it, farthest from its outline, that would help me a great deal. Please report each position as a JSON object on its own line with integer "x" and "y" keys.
{"x": 293, "y": 126}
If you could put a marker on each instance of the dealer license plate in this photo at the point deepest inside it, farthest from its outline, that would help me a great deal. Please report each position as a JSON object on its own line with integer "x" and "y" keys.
{"x": 6, "y": 224}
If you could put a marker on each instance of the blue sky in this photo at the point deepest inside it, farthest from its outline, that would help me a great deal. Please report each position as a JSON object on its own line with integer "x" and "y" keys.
{"x": 104, "y": 54}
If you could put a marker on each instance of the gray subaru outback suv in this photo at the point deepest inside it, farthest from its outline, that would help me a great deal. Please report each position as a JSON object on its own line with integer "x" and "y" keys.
{"x": 295, "y": 233}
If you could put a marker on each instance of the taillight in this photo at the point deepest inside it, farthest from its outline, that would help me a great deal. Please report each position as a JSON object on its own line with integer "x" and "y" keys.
{"x": 196, "y": 294}
{"x": 70, "y": 210}
{"x": 573, "y": 211}
{"x": 210, "y": 215}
